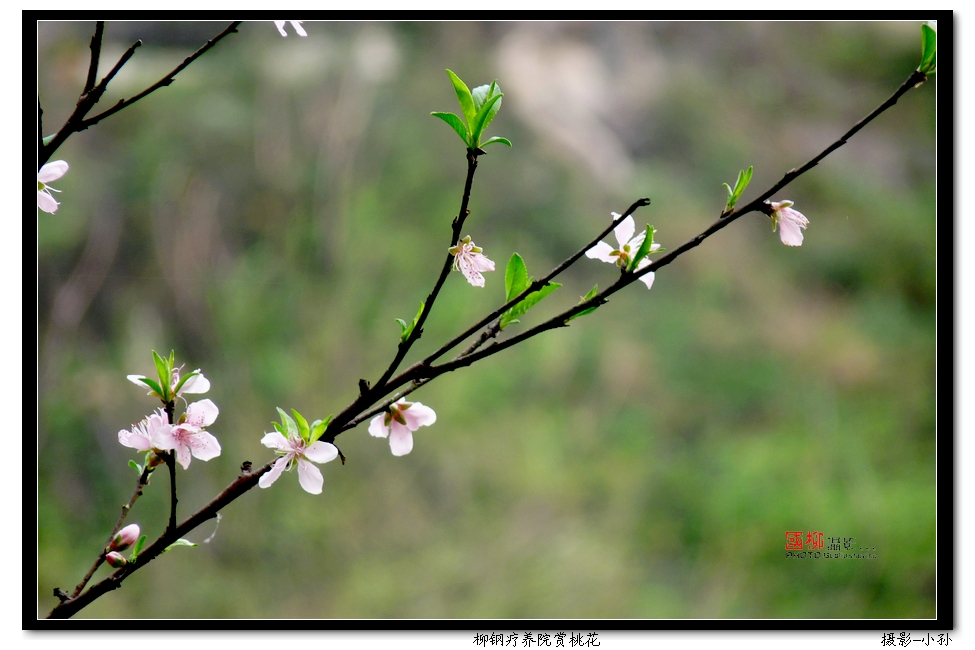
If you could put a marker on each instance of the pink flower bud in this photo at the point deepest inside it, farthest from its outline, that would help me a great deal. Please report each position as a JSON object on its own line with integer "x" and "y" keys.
{"x": 125, "y": 538}
{"x": 115, "y": 560}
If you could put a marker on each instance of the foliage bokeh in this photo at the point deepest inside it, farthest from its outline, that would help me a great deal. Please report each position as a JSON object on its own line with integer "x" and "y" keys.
{"x": 272, "y": 212}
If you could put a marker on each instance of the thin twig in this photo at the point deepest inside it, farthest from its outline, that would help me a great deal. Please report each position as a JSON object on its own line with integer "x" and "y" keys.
{"x": 78, "y": 122}
{"x": 244, "y": 482}
{"x": 140, "y": 484}
{"x": 96, "y": 50}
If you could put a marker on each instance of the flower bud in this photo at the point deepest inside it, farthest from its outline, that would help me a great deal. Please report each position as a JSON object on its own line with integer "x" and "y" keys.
{"x": 115, "y": 559}
{"x": 125, "y": 538}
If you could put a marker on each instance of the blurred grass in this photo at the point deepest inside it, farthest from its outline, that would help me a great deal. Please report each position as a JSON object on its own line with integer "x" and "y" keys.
{"x": 270, "y": 213}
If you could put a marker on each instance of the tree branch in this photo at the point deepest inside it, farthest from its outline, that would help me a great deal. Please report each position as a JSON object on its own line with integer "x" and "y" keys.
{"x": 96, "y": 50}
{"x": 244, "y": 482}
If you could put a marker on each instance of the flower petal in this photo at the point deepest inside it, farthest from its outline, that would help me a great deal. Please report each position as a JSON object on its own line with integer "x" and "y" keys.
{"x": 275, "y": 440}
{"x": 280, "y": 25}
{"x": 400, "y": 440}
{"x": 52, "y": 171}
{"x": 309, "y": 477}
{"x": 646, "y": 279}
{"x": 46, "y": 202}
{"x": 202, "y": 413}
{"x": 482, "y": 263}
{"x": 135, "y": 440}
{"x": 272, "y": 474}
{"x": 195, "y": 384}
{"x": 790, "y": 232}
{"x": 377, "y": 428}
{"x": 601, "y": 251}
{"x": 298, "y": 28}
{"x": 321, "y": 452}
{"x": 418, "y": 415}
{"x": 204, "y": 445}
{"x": 163, "y": 437}
{"x": 624, "y": 231}
{"x": 183, "y": 454}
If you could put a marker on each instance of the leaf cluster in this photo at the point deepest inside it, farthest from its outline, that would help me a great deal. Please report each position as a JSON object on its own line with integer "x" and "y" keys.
{"x": 478, "y": 108}
{"x": 516, "y": 280}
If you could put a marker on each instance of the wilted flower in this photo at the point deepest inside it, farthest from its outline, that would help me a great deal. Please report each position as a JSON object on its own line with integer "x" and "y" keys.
{"x": 188, "y": 438}
{"x": 294, "y": 449}
{"x": 469, "y": 261}
{"x": 791, "y": 222}
{"x": 143, "y": 435}
{"x": 125, "y": 538}
{"x": 399, "y": 423}
{"x": 629, "y": 245}
{"x": 48, "y": 173}
{"x": 294, "y": 23}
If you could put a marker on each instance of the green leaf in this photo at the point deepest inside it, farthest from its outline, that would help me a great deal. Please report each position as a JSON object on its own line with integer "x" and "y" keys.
{"x": 165, "y": 372}
{"x": 457, "y": 125}
{"x": 495, "y": 139}
{"x": 402, "y": 325}
{"x": 483, "y": 93}
{"x": 532, "y": 299}
{"x": 318, "y": 428}
{"x": 483, "y": 118}
{"x": 280, "y": 428}
{"x": 136, "y": 466}
{"x": 588, "y": 296}
{"x": 463, "y": 97}
{"x": 151, "y": 384}
{"x": 728, "y": 187}
{"x": 138, "y": 547}
{"x": 515, "y": 277}
{"x": 744, "y": 178}
{"x": 289, "y": 423}
{"x": 644, "y": 249}
{"x": 179, "y": 542}
{"x": 48, "y": 139}
{"x": 303, "y": 429}
{"x": 929, "y": 49}
{"x": 182, "y": 380}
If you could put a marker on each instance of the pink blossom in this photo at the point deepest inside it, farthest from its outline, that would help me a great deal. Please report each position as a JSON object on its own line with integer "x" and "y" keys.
{"x": 48, "y": 173}
{"x": 188, "y": 438}
{"x": 791, "y": 222}
{"x": 125, "y": 538}
{"x": 294, "y": 449}
{"x": 294, "y": 23}
{"x": 196, "y": 384}
{"x": 629, "y": 245}
{"x": 142, "y": 435}
{"x": 399, "y": 423}
{"x": 469, "y": 261}
{"x": 115, "y": 559}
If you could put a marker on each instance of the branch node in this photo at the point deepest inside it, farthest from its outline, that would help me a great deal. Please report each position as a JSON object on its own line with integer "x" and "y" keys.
{"x": 61, "y": 594}
{"x": 363, "y": 386}
{"x": 245, "y": 467}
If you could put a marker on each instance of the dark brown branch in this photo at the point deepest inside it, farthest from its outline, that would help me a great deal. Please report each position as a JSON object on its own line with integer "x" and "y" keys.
{"x": 379, "y": 388}
{"x": 242, "y": 484}
{"x": 165, "y": 81}
{"x": 78, "y": 122}
{"x": 421, "y": 371}
{"x": 140, "y": 484}
{"x": 96, "y": 49}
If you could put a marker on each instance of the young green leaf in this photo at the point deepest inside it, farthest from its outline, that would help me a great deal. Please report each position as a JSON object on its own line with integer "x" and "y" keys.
{"x": 495, "y": 139}
{"x": 138, "y": 546}
{"x": 509, "y": 317}
{"x": 182, "y": 380}
{"x": 289, "y": 423}
{"x": 463, "y": 97}
{"x": 483, "y": 118}
{"x": 48, "y": 139}
{"x": 403, "y": 326}
{"x": 483, "y": 93}
{"x": 179, "y": 542}
{"x": 588, "y": 296}
{"x": 151, "y": 384}
{"x": 643, "y": 251}
{"x": 165, "y": 371}
{"x": 303, "y": 429}
{"x": 929, "y": 49}
{"x": 317, "y": 429}
{"x": 136, "y": 466}
{"x": 515, "y": 277}
{"x": 457, "y": 125}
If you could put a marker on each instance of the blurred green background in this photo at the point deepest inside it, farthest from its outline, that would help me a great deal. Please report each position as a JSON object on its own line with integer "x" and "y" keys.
{"x": 270, "y": 214}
